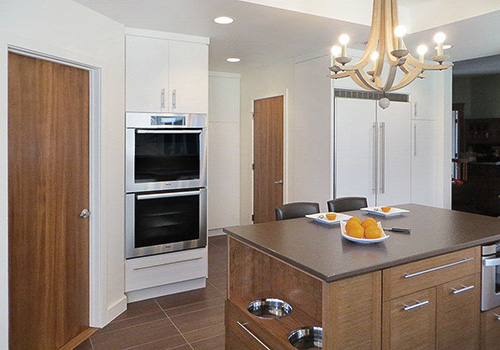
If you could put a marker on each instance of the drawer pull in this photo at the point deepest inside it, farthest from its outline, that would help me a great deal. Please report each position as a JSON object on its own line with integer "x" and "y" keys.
{"x": 415, "y": 306}
{"x": 252, "y": 335}
{"x": 464, "y": 289}
{"x": 168, "y": 263}
{"x": 464, "y": 260}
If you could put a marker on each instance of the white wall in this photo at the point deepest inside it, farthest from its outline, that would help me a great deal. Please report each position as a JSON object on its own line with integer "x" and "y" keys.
{"x": 223, "y": 150}
{"x": 274, "y": 80}
{"x": 63, "y": 28}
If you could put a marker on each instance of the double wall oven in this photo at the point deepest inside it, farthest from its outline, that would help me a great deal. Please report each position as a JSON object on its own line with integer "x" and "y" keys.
{"x": 166, "y": 178}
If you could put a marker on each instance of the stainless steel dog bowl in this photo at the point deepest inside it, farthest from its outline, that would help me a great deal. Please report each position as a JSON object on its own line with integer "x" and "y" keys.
{"x": 269, "y": 308}
{"x": 307, "y": 338}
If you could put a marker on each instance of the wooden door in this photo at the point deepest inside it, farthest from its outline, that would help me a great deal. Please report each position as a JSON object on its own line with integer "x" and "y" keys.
{"x": 394, "y": 180}
{"x": 48, "y": 188}
{"x": 458, "y": 314}
{"x": 490, "y": 329}
{"x": 355, "y": 163}
{"x": 410, "y": 329}
{"x": 268, "y": 158}
{"x": 188, "y": 77}
{"x": 147, "y": 74}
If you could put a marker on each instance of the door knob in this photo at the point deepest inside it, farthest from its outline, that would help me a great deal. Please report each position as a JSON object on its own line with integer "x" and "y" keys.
{"x": 85, "y": 213}
{"x": 279, "y": 182}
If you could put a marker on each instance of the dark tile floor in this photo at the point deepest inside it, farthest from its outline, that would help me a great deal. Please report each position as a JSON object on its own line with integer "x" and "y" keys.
{"x": 186, "y": 321}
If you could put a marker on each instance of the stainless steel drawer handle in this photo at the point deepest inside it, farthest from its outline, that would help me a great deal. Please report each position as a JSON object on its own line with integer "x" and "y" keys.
{"x": 491, "y": 262}
{"x": 169, "y": 131}
{"x": 497, "y": 316}
{"x": 142, "y": 197}
{"x": 415, "y": 306}
{"x": 464, "y": 289}
{"x": 464, "y": 260}
{"x": 242, "y": 325}
{"x": 168, "y": 263}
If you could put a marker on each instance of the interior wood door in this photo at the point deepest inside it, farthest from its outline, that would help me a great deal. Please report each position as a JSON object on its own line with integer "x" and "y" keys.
{"x": 268, "y": 158}
{"x": 355, "y": 142}
{"x": 48, "y": 188}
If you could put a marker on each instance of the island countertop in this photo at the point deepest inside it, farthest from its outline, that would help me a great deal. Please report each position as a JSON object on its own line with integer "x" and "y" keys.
{"x": 321, "y": 250}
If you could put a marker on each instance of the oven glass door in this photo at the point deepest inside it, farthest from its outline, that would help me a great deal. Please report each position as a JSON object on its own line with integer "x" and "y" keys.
{"x": 165, "y": 222}
{"x": 490, "y": 288}
{"x": 167, "y": 155}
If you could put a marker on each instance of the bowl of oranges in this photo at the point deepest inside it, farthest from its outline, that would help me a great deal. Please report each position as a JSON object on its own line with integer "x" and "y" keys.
{"x": 366, "y": 231}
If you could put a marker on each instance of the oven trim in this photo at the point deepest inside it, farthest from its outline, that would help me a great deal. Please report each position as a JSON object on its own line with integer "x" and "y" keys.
{"x": 489, "y": 297}
{"x": 132, "y": 252}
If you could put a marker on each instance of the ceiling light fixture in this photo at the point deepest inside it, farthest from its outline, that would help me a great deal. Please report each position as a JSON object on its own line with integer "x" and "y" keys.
{"x": 223, "y": 20}
{"x": 233, "y": 59}
{"x": 386, "y": 44}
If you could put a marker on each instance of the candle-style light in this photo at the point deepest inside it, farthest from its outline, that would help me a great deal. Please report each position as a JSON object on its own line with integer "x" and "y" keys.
{"x": 439, "y": 38}
{"x": 400, "y": 32}
{"x": 374, "y": 57}
{"x": 344, "y": 40}
{"x": 336, "y": 51}
{"x": 421, "y": 50}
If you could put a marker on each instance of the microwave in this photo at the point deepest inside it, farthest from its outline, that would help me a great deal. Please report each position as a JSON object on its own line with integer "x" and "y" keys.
{"x": 165, "y": 151}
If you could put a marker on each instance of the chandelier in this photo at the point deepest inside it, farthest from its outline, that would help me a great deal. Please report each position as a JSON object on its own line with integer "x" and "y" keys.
{"x": 386, "y": 43}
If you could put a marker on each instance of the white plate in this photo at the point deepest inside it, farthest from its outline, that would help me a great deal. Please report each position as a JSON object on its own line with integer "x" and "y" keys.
{"x": 378, "y": 211}
{"x": 321, "y": 217}
{"x": 364, "y": 240}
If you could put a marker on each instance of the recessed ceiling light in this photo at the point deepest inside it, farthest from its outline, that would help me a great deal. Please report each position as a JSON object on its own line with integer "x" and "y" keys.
{"x": 446, "y": 47}
{"x": 223, "y": 20}
{"x": 233, "y": 59}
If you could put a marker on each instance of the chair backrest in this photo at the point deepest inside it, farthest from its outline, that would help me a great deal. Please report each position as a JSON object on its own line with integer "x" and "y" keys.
{"x": 296, "y": 210}
{"x": 340, "y": 205}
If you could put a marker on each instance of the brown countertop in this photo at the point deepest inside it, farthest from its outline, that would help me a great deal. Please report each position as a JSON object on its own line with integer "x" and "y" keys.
{"x": 321, "y": 251}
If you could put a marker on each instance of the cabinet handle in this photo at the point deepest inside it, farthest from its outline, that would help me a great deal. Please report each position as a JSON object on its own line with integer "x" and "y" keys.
{"x": 162, "y": 98}
{"x": 174, "y": 99}
{"x": 464, "y": 289}
{"x": 165, "y": 264}
{"x": 415, "y": 306}
{"x": 242, "y": 325}
{"x": 497, "y": 316}
{"x": 464, "y": 260}
{"x": 382, "y": 157}
{"x": 414, "y": 140}
{"x": 375, "y": 159}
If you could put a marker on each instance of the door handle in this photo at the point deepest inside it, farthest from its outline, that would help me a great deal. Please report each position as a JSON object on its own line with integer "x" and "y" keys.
{"x": 174, "y": 99}
{"x": 414, "y": 140}
{"x": 279, "y": 182}
{"x": 382, "y": 157}
{"x": 85, "y": 213}
{"x": 162, "y": 98}
{"x": 375, "y": 159}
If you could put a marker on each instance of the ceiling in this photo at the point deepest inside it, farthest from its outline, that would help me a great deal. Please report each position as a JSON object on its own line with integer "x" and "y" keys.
{"x": 261, "y": 35}
{"x": 478, "y": 66}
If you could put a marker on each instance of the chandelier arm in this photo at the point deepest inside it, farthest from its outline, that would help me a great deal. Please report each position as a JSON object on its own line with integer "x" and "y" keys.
{"x": 390, "y": 79}
{"x": 374, "y": 35}
{"x": 407, "y": 79}
{"x": 365, "y": 80}
{"x": 425, "y": 66}
{"x": 339, "y": 75}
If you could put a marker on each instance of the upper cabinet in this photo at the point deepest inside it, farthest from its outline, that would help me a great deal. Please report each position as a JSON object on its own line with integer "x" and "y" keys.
{"x": 166, "y": 73}
{"x": 425, "y": 97}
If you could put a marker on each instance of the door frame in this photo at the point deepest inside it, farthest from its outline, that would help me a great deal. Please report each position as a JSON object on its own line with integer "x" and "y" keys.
{"x": 285, "y": 147}
{"x": 10, "y": 43}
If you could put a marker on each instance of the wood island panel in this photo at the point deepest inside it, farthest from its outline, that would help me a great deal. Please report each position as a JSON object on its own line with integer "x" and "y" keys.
{"x": 352, "y": 313}
{"x": 490, "y": 329}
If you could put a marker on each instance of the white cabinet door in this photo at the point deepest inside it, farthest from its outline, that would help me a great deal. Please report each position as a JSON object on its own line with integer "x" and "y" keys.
{"x": 188, "y": 77}
{"x": 424, "y": 97}
{"x": 423, "y": 167}
{"x": 394, "y": 153}
{"x": 147, "y": 74}
{"x": 355, "y": 148}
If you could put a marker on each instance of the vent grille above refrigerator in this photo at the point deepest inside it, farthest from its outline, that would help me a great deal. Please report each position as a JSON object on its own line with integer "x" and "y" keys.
{"x": 371, "y": 95}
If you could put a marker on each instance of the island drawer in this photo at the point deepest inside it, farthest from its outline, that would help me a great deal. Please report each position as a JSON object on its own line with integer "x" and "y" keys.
{"x": 241, "y": 327}
{"x": 490, "y": 329}
{"x": 419, "y": 275}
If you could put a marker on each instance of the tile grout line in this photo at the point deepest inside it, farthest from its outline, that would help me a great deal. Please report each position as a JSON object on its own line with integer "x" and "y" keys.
{"x": 203, "y": 309}
{"x": 210, "y": 337}
{"x": 178, "y": 330}
{"x": 154, "y": 341}
{"x": 201, "y": 329}
{"x": 213, "y": 285}
{"x": 135, "y": 325}
{"x": 91, "y": 344}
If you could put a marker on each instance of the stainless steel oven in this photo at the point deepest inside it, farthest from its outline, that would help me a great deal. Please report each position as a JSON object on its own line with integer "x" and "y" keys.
{"x": 165, "y": 151}
{"x": 163, "y": 222}
{"x": 490, "y": 277}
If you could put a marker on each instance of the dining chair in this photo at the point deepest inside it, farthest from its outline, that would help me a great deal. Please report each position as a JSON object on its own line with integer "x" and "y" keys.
{"x": 343, "y": 204}
{"x": 296, "y": 210}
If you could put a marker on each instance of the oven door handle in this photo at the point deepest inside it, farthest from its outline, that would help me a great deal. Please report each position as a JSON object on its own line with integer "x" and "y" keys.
{"x": 491, "y": 262}
{"x": 143, "y": 131}
{"x": 167, "y": 195}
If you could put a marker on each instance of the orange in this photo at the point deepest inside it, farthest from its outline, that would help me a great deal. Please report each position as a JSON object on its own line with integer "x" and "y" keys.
{"x": 354, "y": 220}
{"x": 386, "y": 209}
{"x": 372, "y": 232}
{"x": 355, "y": 230}
{"x": 368, "y": 222}
{"x": 331, "y": 216}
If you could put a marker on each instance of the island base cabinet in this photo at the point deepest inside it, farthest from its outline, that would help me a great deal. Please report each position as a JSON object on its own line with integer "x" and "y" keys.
{"x": 490, "y": 329}
{"x": 458, "y": 314}
{"x": 409, "y": 322}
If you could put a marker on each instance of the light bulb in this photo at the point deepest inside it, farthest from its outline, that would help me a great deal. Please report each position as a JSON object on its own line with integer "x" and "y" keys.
{"x": 336, "y": 51}
{"x": 400, "y": 31}
{"x": 422, "y": 50}
{"x": 374, "y": 56}
{"x": 439, "y": 38}
{"x": 344, "y": 39}
{"x": 223, "y": 20}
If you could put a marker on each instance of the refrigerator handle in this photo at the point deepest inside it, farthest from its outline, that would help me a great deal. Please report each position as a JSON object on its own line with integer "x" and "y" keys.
{"x": 382, "y": 157}
{"x": 375, "y": 158}
{"x": 415, "y": 140}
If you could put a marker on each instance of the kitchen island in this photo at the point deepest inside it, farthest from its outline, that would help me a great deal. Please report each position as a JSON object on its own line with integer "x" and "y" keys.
{"x": 400, "y": 294}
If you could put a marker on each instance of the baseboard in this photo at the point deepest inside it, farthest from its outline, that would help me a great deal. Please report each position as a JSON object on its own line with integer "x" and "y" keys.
{"x": 167, "y": 289}
{"x": 216, "y": 232}
{"x": 117, "y": 309}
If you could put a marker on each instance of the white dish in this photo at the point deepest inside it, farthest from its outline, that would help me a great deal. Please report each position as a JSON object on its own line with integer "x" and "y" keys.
{"x": 321, "y": 217}
{"x": 378, "y": 211}
{"x": 364, "y": 240}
